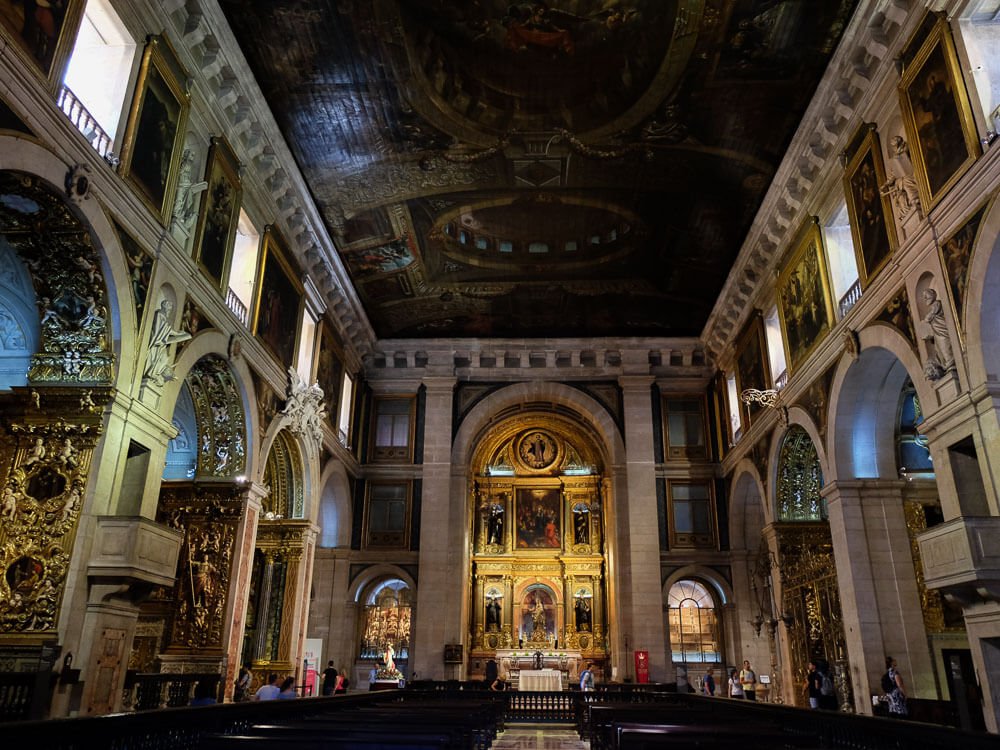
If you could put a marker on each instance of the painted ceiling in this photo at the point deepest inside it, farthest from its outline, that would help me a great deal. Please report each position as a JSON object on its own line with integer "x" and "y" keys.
{"x": 576, "y": 167}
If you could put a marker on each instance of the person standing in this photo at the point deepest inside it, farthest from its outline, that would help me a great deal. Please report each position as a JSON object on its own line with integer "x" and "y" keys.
{"x": 892, "y": 683}
{"x": 812, "y": 685}
{"x": 329, "y": 679}
{"x": 827, "y": 687}
{"x": 708, "y": 685}
{"x": 735, "y": 688}
{"x": 748, "y": 680}
{"x": 587, "y": 678}
{"x": 241, "y": 691}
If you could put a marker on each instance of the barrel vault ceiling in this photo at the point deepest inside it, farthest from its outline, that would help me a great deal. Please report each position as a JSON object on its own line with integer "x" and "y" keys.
{"x": 575, "y": 167}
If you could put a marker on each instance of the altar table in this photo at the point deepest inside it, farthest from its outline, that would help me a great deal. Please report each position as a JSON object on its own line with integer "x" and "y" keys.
{"x": 539, "y": 679}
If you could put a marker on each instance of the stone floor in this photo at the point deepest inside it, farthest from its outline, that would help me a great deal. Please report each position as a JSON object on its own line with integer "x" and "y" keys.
{"x": 539, "y": 737}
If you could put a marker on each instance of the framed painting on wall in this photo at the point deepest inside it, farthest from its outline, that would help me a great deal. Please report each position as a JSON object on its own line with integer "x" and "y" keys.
{"x": 220, "y": 212}
{"x": 278, "y": 307}
{"x": 804, "y": 302}
{"x": 539, "y": 518}
{"x": 751, "y": 370}
{"x": 154, "y": 135}
{"x": 872, "y": 225}
{"x": 937, "y": 114}
{"x": 45, "y": 31}
{"x": 330, "y": 370}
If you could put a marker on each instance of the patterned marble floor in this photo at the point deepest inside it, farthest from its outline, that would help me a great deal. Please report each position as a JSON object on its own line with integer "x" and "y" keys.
{"x": 539, "y": 737}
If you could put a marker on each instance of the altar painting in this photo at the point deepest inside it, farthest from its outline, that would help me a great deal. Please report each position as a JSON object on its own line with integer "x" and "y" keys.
{"x": 538, "y": 519}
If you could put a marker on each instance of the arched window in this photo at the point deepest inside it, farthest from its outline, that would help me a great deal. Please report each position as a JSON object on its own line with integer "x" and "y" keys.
{"x": 799, "y": 479}
{"x": 692, "y": 623}
{"x": 387, "y": 620}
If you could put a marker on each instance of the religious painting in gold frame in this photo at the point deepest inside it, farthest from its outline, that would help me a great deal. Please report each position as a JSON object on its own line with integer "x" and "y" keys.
{"x": 937, "y": 114}
{"x": 154, "y": 136}
{"x": 805, "y": 305}
{"x": 872, "y": 225}
{"x": 751, "y": 364}
{"x": 219, "y": 213}
{"x": 45, "y": 32}
{"x": 279, "y": 300}
{"x": 329, "y": 369}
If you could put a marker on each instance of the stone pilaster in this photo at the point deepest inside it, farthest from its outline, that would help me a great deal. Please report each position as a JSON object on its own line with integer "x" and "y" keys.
{"x": 879, "y": 597}
{"x": 443, "y": 538}
{"x": 637, "y": 532}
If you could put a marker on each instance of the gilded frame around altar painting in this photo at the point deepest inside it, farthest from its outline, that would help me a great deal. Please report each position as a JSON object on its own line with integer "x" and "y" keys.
{"x": 870, "y": 210}
{"x": 48, "y": 39}
{"x": 279, "y": 300}
{"x": 805, "y": 304}
{"x": 751, "y": 363}
{"x": 937, "y": 114}
{"x": 219, "y": 213}
{"x": 154, "y": 136}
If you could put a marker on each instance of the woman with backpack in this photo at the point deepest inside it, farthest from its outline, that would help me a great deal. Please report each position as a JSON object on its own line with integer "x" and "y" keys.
{"x": 892, "y": 686}
{"x": 827, "y": 688}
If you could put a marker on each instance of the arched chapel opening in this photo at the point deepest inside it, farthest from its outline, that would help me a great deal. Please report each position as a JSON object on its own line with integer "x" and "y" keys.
{"x": 539, "y": 545}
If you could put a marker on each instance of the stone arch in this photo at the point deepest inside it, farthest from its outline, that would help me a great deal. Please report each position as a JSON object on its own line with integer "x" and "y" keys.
{"x": 221, "y": 421}
{"x": 864, "y": 402}
{"x": 371, "y": 576}
{"x": 334, "y": 515}
{"x": 214, "y": 343}
{"x": 586, "y": 409}
{"x": 748, "y": 510}
{"x": 20, "y": 331}
{"x": 796, "y": 466}
{"x": 982, "y": 305}
{"x": 284, "y": 475}
{"x": 76, "y": 342}
{"x": 20, "y": 155}
{"x": 704, "y": 574}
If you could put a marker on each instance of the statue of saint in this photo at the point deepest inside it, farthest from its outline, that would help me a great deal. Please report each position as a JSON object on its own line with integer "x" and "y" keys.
{"x": 159, "y": 367}
{"x": 944, "y": 355}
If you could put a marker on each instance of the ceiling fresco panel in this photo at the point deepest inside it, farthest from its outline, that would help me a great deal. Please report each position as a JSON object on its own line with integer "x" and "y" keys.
{"x": 572, "y": 167}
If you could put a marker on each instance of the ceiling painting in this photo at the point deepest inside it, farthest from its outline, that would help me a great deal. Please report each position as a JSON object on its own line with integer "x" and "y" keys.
{"x": 573, "y": 167}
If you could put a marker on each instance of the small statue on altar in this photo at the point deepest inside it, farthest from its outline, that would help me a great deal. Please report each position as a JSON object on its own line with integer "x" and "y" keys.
{"x": 390, "y": 662}
{"x": 582, "y": 614}
{"x": 538, "y": 619}
{"x": 492, "y": 614}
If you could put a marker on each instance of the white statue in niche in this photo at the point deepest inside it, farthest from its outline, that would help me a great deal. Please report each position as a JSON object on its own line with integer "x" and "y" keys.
{"x": 901, "y": 186}
{"x": 159, "y": 363}
{"x": 941, "y": 356}
{"x": 186, "y": 202}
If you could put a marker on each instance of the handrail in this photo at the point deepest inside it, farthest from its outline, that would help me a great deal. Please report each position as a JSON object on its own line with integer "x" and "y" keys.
{"x": 85, "y": 122}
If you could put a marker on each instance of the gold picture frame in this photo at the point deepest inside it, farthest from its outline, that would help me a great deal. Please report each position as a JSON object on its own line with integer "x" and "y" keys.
{"x": 219, "y": 212}
{"x": 279, "y": 301}
{"x": 330, "y": 369}
{"x": 937, "y": 114}
{"x": 805, "y": 305}
{"x": 751, "y": 366}
{"x": 154, "y": 136}
{"x": 47, "y": 40}
{"x": 872, "y": 225}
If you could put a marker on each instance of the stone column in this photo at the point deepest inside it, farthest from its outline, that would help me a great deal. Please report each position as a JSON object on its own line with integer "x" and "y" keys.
{"x": 638, "y": 524}
{"x": 879, "y": 597}
{"x": 443, "y": 538}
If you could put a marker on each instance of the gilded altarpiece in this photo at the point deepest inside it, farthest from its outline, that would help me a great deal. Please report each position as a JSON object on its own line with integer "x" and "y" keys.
{"x": 538, "y": 542}
{"x": 209, "y": 516}
{"x": 48, "y": 440}
{"x": 811, "y": 600}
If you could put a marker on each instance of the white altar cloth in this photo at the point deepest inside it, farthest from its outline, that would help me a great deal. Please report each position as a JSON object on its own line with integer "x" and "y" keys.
{"x": 539, "y": 679}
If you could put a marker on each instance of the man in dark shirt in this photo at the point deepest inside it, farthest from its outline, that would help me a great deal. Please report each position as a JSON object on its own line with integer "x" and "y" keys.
{"x": 329, "y": 679}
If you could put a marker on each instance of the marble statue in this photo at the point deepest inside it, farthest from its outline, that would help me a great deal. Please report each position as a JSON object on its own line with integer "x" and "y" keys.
{"x": 159, "y": 364}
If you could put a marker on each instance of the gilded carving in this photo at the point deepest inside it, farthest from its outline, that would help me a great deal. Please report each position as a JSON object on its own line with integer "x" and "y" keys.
{"x": 930, "y": 599}
{"x": 221, "y": 422}
{"x": 66, "y": 272}
{"x": 41, "y": 499}
{"x": 209, "y": 520}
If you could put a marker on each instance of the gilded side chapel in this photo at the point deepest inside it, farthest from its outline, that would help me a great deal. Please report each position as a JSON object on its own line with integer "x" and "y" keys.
{"x": 419, "y": 336}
